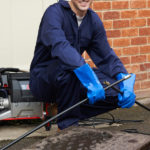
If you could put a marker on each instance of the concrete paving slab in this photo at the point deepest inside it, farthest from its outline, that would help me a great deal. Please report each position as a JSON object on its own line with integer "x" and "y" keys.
{"x": 79, "y": 138}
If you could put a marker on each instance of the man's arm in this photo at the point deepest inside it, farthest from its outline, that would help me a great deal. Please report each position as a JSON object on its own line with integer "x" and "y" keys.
{"x": 108, "y": 62}
{"x": 53, "y": 36}
{"x": 101, "y": 53}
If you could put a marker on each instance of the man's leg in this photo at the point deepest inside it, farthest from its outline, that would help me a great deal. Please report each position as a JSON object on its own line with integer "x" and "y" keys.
{"x": 68, "y": 94}
{"x": 54, "y": 84}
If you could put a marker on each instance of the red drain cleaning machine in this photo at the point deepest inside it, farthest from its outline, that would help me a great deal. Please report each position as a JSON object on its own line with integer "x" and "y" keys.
{"x": 16, "y": 99}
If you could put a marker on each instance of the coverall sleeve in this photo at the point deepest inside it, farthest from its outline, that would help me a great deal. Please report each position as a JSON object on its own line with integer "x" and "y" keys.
{"x": 102, "y": 55}
{"x": 53, "y": 36}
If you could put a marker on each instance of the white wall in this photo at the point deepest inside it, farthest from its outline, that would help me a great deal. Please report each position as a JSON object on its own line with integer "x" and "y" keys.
{"x": 19, "y": 23}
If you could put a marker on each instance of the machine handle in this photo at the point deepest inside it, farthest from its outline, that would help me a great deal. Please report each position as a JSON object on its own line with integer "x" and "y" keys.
{"x": 2, "y": 70}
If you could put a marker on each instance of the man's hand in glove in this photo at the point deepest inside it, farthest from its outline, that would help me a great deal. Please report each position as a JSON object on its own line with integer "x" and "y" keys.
{"x": 127, "y": 99}
{"x": 88, "y": 78}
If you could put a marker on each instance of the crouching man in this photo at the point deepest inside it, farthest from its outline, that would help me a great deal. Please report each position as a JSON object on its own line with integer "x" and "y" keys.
{"x": 60, "y": 74}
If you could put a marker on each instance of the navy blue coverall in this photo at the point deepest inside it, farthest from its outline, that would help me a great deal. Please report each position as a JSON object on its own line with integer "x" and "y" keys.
{"x": 58, "y": 51}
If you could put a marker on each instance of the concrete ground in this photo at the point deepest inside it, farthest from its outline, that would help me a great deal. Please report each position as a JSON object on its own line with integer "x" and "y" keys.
{"x": 135, "y": 119}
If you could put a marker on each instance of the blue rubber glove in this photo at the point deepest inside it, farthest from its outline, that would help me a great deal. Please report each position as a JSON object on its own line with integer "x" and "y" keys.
{"x": 127, "y": 99}
{"x": 89, "y": 80}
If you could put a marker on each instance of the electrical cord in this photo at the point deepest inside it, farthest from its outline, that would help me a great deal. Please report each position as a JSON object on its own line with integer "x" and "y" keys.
{"x": 132, "y": 130}
{"x": 97, "y": 121}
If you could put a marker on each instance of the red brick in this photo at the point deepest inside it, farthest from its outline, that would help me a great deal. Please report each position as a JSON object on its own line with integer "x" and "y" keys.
{"x": 145, "y": 49}
{"x": 129, "y": 14}
{"x": 144, "y": 31}
{"x": 86, "y": 56}
{"x": 138, "y": 40}
{"x": 145, "y": 84}
{"x": 145, "y": 67}
{"x": 148, "y": 39}
{"x": 133, "y": 68}
{"x": 101, "y": 5}
{"x": 148, "y": 74}
{"x": 121, "y": 42}
{"x": 108, "y": 24}
{"x": 138, "y": 3}
{"x": 113, "y": 33}
{"x": 144, "y": 13}
{"x": 148, "y": 58}
{"x": 137, "y": 85}
{"x": 148, "y": 21}
{"x": 118, "y": 51}
{"x": 129, "y": 32}
{"x": 121, "y": 24}
{"x": 138, "y": 59}
{"x": 141, "y": 76}
{"x": 131, "y": 51}
{"x": 149, "y": 3}
{"x": 120, "y": 5}
{"x": 111, "y": 15}
{"x": 138, "y": 22}
{"x": 125, "y": 60}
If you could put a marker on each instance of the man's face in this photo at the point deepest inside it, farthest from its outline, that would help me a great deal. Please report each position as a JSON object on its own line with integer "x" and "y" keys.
{"x": 81, "y": 5}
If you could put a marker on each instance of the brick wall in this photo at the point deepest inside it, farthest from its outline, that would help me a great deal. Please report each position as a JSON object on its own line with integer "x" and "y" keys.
{"x": 127, "y": 23}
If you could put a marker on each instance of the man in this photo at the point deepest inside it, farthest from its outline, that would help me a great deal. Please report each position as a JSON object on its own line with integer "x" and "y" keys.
{"x": 60, "y": 74}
